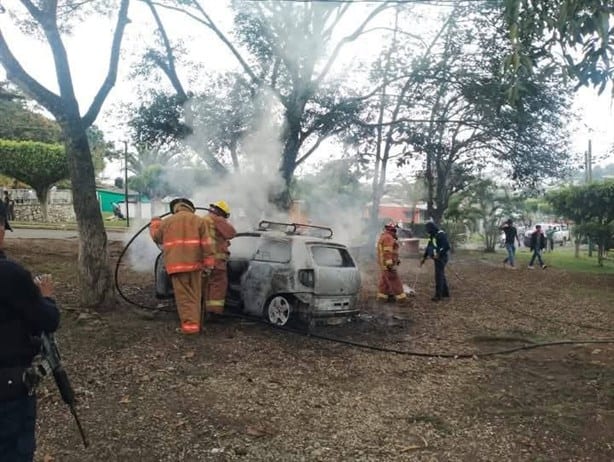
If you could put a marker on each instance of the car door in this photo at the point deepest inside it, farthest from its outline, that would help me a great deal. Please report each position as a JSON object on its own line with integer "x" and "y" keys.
{"x": 335, "y": 270}
{"x": 268, "y": 273}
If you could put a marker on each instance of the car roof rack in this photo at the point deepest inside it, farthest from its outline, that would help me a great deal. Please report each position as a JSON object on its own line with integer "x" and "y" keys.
{"x": 296, "y": 229}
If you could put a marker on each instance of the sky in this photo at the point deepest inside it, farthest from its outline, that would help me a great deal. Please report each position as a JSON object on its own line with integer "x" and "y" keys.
{"x": 89, "y": 47}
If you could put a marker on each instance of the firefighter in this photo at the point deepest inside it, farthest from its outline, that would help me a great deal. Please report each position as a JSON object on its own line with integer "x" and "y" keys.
{"x": 217, "y": 282}
{"x": 390, "y": 284}
{"x": 188, "y": 247}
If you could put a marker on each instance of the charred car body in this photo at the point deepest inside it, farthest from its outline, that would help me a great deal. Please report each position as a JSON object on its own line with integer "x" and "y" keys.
{"x": 286, "y": 272}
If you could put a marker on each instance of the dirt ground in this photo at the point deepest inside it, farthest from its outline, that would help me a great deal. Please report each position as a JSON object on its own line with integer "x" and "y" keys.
{"x": 244, "y": 391}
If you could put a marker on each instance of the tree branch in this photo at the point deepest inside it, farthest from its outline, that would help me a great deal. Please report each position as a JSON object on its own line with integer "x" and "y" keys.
{"x": 109, "y": 82}
{"x": 169, "y": 68}
{"x": 227, "y": 42}
{"x": 340, "y": 13}
{"x": 17, "y": 74}
{"x": 33, "y": 10}
{"x": 311, "y": 150}
{"x": 347, "y": 39}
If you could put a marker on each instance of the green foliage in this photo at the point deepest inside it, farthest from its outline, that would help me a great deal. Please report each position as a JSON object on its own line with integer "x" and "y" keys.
{"x": 38, "y": 164}
{"x": 151, "y": 182}
{"x": 100, "y": 148}
{"x": 159, "y": 122}
{"x": 19, "y": 123}
{"x": 591, "y": 207}
{"x": 485, "y": 205}
{"x": 464, "y": 88}
{"x": 456, "y": 232}
{"x": 539, "y": 30}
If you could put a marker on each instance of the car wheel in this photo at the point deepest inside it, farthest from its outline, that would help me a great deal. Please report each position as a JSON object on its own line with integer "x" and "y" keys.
{"x": 278, "y": 311}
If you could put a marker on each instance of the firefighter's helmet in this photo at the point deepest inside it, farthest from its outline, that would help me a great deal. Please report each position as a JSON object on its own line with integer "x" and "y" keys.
{"x": 222, "y": 206}
{"x": 391, "y": 226}
{"x": 181, "y": 200}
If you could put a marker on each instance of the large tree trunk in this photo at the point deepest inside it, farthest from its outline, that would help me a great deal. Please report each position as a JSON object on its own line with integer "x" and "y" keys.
{"x": 95, "y": 281}
{"x": 42, "y": 194}
{"x": 292, "y": 145}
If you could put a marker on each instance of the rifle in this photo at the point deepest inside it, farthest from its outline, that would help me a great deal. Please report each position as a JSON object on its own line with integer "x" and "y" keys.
{"x": 51, "y": 355}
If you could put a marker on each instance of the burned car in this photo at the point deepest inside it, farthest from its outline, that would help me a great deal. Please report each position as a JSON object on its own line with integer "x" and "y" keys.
{"x": 287, "y": 272}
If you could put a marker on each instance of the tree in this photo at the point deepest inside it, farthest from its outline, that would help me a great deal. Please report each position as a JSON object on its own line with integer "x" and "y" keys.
{"x": 210, "y": 123}
{"x": 47, "y": 19}
{"x": 17, "y": 122}
{"x": 20, "y": 123}
{"x": 292, "y": 50}
{"x": 39, "y": 165}
{"x": 470, "y": 126}
{"x": 377, "y": 131}
{"x": 591, "y": 207}
{"x": 482, "y": 207}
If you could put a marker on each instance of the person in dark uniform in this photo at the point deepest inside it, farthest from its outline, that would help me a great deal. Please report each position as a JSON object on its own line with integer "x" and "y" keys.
{"x": 437, "y": 249}
{"x": 4, "y": 219}
{"x": 27, "y": 308}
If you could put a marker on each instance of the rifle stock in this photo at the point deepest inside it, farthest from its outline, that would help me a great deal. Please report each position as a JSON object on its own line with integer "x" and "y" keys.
{"x": 51, "y": 354}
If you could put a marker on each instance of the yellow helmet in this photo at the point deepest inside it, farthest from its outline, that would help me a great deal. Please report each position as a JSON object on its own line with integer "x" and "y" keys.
{"x": 223, "y": 206}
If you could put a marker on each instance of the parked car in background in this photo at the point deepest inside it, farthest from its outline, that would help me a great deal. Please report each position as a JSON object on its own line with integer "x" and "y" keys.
{"x": 561, "y": 233}
{"x": 288, "y": 272}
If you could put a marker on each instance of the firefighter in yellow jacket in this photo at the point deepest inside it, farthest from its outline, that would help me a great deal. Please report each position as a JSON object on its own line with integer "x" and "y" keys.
{"x": 390, "y": 284}
{"x": 188, "y": 247}
{"x": 223, "y": 232}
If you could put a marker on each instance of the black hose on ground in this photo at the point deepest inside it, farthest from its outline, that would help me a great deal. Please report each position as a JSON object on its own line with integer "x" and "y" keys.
{"x": 475, "y": 355}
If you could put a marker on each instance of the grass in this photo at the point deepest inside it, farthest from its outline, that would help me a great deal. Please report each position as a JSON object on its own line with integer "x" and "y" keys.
{"x": 561, "y": 257}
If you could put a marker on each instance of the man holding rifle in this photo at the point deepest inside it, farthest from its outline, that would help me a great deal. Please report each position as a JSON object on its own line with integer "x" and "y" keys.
{"x": 27, "y": 309}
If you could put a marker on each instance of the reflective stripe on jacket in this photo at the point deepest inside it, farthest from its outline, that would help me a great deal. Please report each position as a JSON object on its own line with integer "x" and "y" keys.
{"x": 223, "y": 233}
{"x": 387, "y": 250}
{"x": 186, "y": 239}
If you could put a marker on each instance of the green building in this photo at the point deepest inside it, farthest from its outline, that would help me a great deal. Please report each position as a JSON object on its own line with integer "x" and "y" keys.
{"x": 106, "y": 198}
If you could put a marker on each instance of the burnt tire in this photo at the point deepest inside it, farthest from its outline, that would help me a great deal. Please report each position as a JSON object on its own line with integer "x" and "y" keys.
{"x": 279, "y": 310}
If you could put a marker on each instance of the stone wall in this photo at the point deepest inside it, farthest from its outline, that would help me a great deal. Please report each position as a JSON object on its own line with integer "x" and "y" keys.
{"x": 55, "y": 213}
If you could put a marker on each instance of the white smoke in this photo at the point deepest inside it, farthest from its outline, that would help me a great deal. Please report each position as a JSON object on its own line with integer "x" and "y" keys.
{"x": 249, "y": 190}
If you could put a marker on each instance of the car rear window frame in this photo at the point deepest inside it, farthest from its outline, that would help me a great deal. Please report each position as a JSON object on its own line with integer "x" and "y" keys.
{"x": 269, "y": 260}
{"x": 347, "y": 260}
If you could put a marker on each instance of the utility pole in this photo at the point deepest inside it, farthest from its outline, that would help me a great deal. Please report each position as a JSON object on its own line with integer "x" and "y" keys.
{"x": 126, "y": 184}
{"x": 589, "y": 162}
{"x": 589, "y": 178}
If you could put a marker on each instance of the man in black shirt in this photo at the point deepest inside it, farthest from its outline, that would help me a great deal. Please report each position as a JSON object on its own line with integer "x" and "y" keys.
{"x": 437, "y": 249}
{"x": 26, "y": 309}
{"x": 511, "y": 236}
{"x": 538, "y": 243}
